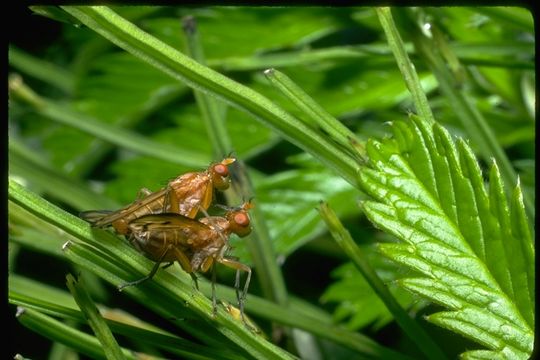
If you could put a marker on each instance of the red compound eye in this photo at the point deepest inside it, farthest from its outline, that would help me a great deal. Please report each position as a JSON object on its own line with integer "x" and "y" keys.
{"x": 221, "y": 170}
{"x": 241, "y": 219}
{"x": 220, "y": 177}
{"x": 240, "y": 224}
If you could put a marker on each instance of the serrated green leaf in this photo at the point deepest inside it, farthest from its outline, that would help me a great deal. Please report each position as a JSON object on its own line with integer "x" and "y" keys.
{"x": 430, "y": 194}
{"x": 482, "y": 355}
{"x": 467, "y": 323}
{"x": 520, "y": 230}
{"x": 518, "y": 256}
{"x": 339, "y": 59}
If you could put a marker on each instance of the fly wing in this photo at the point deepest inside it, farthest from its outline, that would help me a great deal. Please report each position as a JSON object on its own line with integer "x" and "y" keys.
{"x": 185, "y": 231}
{"x": 165, "y": 221}
{"x": 148, "y": 204}
{"x": 94, "y": 216}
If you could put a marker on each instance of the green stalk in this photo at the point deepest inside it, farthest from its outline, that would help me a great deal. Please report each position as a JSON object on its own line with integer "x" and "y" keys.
{"x": 404, "y": 63}
{"x": 169, "y": 60}
{"x": 112, "y": 259}
{"x": 471, "y": 118}
{"x": 57, "y": 331}
{"x": 113, "y": 134}
{"x": 94, "y": 318}
{"x": 25, "y": 163}
{"x": 42, "y": 70}
{"x": 212, "y": 115}
{"x": 259, "y": 243}
{"x": 409, "y": 326}
{"x": 319, "y": 116}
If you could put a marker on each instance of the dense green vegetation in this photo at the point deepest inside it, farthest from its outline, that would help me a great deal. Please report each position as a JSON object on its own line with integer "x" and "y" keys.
{"x": 376, "y": 233}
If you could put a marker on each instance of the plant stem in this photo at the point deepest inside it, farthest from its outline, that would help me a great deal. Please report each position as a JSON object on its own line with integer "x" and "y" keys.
{"x": 113, "y": 134}
{"x": 41, "y": 69}
{"x": 319, "y": 116}
{"x": 404, "y": 63}
{"x": 409, "y": 326}
{"x": 471, "y": 118}
{"x": 148, "y": 48}
{"x": 260, "y": 244}
{"x": 95, "y": 320}
{"x": 57, "y": 331}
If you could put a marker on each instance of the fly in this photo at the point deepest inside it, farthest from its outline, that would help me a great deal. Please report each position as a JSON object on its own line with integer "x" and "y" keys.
{"x": 195, "y": 244}
{"x": 185, "y": 195}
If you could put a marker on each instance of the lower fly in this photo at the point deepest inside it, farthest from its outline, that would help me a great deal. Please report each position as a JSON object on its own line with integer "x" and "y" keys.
{"x": 195, "y": 244}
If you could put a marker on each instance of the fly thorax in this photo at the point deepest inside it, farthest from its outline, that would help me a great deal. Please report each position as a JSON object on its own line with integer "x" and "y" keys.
{"x": 217, "y": 224}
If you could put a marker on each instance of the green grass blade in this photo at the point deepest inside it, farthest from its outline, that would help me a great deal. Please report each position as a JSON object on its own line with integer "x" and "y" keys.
{"x": 259, "y": 242}
{"x": 40, "y": 69}
{"x": 113, "y": 134}
{"x": 301, "y": 57}
{"x": 405, "y": 65}
{"x": 211, "y": 112}
{"x": 141, "y": 44}
{"x": 320, "y": 117}
{"x": 411, "y": 328}
{"x": 25, "y": 164}
{"x": 33, "y": 233}
{"x": 57, "y": 331}
{"x": 31, "y": 294}
{"x": 95, "y": 320}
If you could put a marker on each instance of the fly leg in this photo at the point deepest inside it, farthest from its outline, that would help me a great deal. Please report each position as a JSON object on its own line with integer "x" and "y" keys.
{"x": 184, "y": 262}
{"x": 151, "y": 274}
{"x": 238, "y": 266}
{"x": 208, "y": 263}
{"x": 195, "y": 280}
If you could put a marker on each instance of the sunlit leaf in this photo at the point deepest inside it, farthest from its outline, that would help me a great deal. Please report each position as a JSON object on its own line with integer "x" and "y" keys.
{"x": 460, "y": 237}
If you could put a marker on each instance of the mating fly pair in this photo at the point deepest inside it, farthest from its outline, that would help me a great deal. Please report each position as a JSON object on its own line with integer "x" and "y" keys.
{"x": 162, "y": 225}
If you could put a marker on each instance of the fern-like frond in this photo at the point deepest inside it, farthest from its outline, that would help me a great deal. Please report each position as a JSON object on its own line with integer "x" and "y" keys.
{"x": 475, "y": 251}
